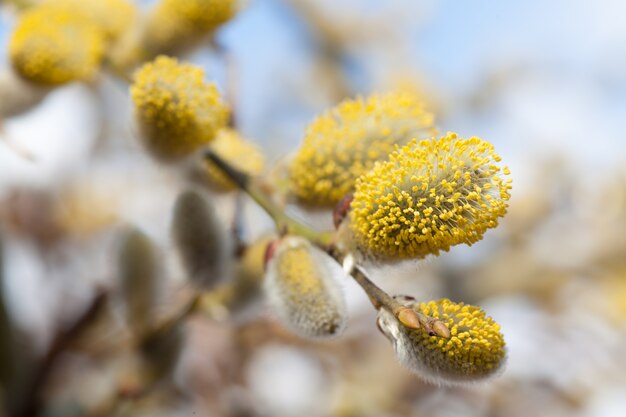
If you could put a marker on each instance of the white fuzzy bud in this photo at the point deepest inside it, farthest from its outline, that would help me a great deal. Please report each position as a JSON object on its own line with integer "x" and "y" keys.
{"x": 301, "y": 286}
{"x": 201, "y": 239}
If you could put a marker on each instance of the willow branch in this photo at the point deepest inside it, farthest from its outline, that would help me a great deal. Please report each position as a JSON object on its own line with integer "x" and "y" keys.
{"x": 32, "y": 401}
{"x": 284, "y": 223}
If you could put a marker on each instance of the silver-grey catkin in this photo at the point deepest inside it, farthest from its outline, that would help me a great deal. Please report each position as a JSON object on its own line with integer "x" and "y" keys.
{"x": 140, "y": 279}
{"x": 201, "y": 240}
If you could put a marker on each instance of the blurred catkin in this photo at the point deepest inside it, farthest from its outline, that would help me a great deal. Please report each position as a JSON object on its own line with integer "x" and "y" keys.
{"x": 346, "y": 141}
{"x": 53, "y": 46}
{"x": 173, "y": 26}
{"x": 430, "y": 195}
{"x": 301, "y": 286}
{"x": 475, "y": 349}
{"x": 203, "y": 243}
{"x": 177, "y": 112}
{"x": 139, "y": 273}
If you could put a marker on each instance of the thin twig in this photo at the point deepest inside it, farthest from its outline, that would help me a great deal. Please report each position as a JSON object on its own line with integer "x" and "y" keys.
{"x": 238, "y": 224}
{"x": 378, "y": 297}
{"x": 32, "y": 400}
{"x": 282, "y": 220}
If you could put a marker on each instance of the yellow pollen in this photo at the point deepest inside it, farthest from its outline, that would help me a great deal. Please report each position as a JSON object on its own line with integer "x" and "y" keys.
{"x": 175, "y": 25}
{"x": 414, "y": 204}
{"x": 53, "y": 46}
{"x": 345, "y": 142}
{"x": 177, "y": 111}
{"x": 475, "y": 349}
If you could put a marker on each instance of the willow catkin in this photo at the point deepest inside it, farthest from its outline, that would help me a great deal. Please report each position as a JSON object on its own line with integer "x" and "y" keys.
{"x": 346, "y": 141}
{"x": 301, "y": 287}
{"x": 54, "y": 45}
{"x": 428, "y": 196}
{"x": 201, "y": 240}
{"x": 177, "y": 112}
{"x": 174, "y": 26}
{"x": 474, "y": 351}
{"x": 140, "y": 275}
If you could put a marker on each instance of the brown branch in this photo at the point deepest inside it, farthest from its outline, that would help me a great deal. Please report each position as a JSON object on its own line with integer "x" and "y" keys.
{"x": 32, "y": 400}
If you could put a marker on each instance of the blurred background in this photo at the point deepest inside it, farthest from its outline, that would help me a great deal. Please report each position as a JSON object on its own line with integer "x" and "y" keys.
{"x": 545, "y": 82}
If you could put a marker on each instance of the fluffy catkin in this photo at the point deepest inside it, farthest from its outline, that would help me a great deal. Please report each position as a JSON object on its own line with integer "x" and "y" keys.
{"x": 140, "y": 277}
{"x": 346, "y": 141}
{"x": 53, "y": 45}
{"x": 428, "y": 196}
{"x": 174, "y": 26}
{"x": 301, "y": 286}
{"x": 177, "y": 112}
{"x": 201, "y": 240}
{"x": 474, "y": 351}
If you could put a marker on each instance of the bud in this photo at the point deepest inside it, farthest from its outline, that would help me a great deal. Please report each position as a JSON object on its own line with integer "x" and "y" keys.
{"x": 176, "y": 110}
{"x": 462, "y": 343}
{"x": 203, "y": 244}
{"x": 345, "y": 142}
{"x": 140, "y": 279}
{"x": 430, "y": 195}
{"x": 301, "y": 285}
{"x": 239, "y": 153}
{"x": 53, "y": 45}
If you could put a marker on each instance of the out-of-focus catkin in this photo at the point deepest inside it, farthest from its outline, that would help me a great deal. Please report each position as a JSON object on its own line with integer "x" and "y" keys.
{"x": 177, "y": 112}
{"x": 140, "y": 276}
{"x": 53, "y": 46}
{"x": 174, "y": 26}
{"x": 474, "y": 351}
{"x": 345, "y": 142}
{"x": 302, "y": 288}
{"x": 201, "y": 239}
{"x": 428, "y": 196}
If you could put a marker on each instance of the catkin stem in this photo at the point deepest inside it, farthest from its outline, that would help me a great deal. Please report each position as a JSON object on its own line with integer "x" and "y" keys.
{"x": 282, "y": 220}
{"x": 378, "y": 297}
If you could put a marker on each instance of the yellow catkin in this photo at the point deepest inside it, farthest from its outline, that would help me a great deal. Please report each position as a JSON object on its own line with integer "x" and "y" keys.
{"x": 53, "y": 45}
{"x": 300, "y": 286}
{"x": 241, "y": 154}
{"x": 475, "y": 349}
{"x": 177, "y": 111}
{"x": 430, "y": 195}
{"x": 113, "y": 17}
{"x": 345, "y": 142}
{"x": 174, "y": 25}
